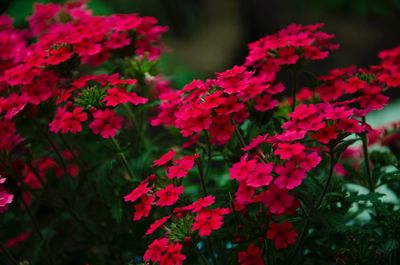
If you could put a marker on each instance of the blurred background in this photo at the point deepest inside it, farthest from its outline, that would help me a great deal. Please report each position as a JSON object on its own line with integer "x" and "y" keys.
{"x": 208, "y": 36}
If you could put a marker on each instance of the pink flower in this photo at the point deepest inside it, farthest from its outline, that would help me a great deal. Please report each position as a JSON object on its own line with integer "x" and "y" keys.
{"x": 116, "y": 96}
{"x": 155, "y": 250}
{"x": 252, "y": 256}
{"x": 173, "y": 255}
{"x": 66, "y": 121}
{"x": 289, "y": 177}
{"x": 277, "y": 200}
{"x": 106, "y": 123}
{"x": 137, "y": 192}
{"x": 143, "y": 208}
{"x": 157, "y": 224}
{"x": 165, "y": 158}
{"x": 286, "y": 151}
{"x": 242, "y": 169}
{"x": 169, "y": 195}
{"x": 261, "y": 176}
{"x": 283, "y": 234}
{"x": 5, "y": 198}
{"x": 208, "y": 220}
{"x": 180, "y": 167}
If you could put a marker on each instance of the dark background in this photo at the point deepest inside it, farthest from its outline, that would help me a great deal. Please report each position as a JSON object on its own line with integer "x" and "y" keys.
{"x": 212, "y": 35}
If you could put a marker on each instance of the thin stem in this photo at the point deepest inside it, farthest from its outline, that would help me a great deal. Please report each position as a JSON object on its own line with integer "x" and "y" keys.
{"x": 238, "y": 134}
{"x": 330, "y": 174}
{"x": 47, "y": 137}
{"x": 209, "y": 154}
{"x": 294, "y": 91}
{"x": 312, "y": 211}
{"x": 300, "y": 241}
{"x": 202, "y": 178}
{"x": 122, "y": 157}
{"x": 366, "y": 158}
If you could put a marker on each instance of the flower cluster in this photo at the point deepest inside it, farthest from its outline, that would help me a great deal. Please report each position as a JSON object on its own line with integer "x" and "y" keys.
{"x": 275, "y": 162}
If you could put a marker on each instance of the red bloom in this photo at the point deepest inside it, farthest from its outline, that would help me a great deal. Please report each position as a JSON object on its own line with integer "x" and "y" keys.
{"x": 143, "y": 208}
{"x": 242, "y": 169}
{"x": 252, "y": 256}
{"x": 277, "y": 200}
{"x": 169, "y": 195}
{"x": 165, "y": 158}
{"x": 286, "y": 151}
{"x": 157, "y": 224}
{"x": 106, "y": 123}
{"x": 137, "y": 192}
{"x": 261, "y": 176}
{"x": 181, "y": 167}
{"x": 155, "y": 250}
{"x": 289, "y": 176}
{"x": 283, "y": 234}
{"x": 173, "y": 255}
{"x": 66, "y": 121}
{"x": 117, "y": 96}
{"x": 197, "y": 205}
{"x": 208, "y": 220}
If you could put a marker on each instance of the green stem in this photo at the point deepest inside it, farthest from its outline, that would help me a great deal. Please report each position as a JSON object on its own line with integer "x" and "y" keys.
{"x": 238, "y": 134}
{"x": 202, "y": 178}
{"x": 209, "y": 154}
{"x": 47, "y": 137}
{"x": 300, "y": 241}
{"x": 122, "y": 157}
{"x": 366, "y": 158}
{"x": 312, "y": 211}
{"x": 330, "y": 174}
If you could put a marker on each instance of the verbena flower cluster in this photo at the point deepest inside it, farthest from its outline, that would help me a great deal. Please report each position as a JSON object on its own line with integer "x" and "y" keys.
{"x": 260, "y": 153}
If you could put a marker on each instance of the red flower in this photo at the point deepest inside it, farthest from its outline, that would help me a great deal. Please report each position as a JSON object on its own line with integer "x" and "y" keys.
{"x": 165, "y": 158}
{"x": 117, "y": 96}
{"x": 173, "y": 255}
{"x": 143, "y": 208}
{"x": 261, "y": 176}
{"x": 181, "y": 167}
{"x": 137, "y": 192}
{"x": 242, "y": 169}
{"x": 252, "y": 256}
{"x": 157, "y": 224}
{"x": 169, "y": 195}
{"x": 66, "y": 121}
{"x": 283, "y": 234}
{"x": 277, "y": 200}
{"x": 289, "y": 176}
{"x": 106, "y": 123}
{"x": 59, "y": 55}
{"x": 197, "y": 205}
{"x": 208, "y": 220}
{"x": 155, "y": 250}
{"x": 286, "y": 151}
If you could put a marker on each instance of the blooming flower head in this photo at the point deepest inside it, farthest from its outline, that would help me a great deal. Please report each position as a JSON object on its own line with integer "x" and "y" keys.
{"x": 282, "y": 234}
{"x": 277, "y": 200}
{"x": 208, "y": 220}
{"x": 252, "y": 256}
{"x": 106, "y": 123}
{"x": 169, "y": 195}
{"x": 165, "y": 158}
